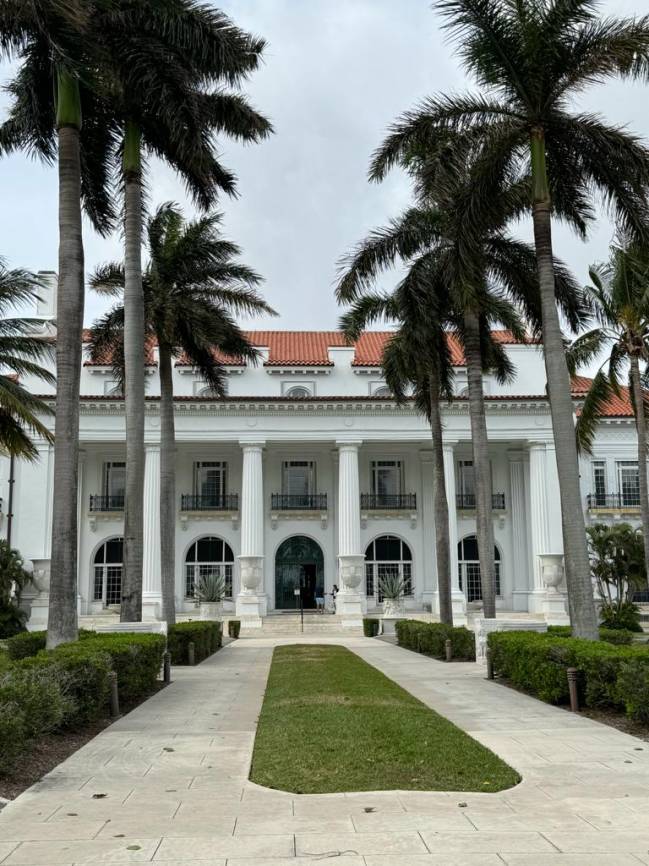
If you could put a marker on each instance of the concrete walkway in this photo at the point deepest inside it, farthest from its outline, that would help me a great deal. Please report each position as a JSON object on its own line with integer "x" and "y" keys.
{"x": 168, "y": 784}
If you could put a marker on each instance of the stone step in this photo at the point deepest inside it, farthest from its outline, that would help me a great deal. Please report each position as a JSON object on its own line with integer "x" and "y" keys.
{"x": 281, "y": 625}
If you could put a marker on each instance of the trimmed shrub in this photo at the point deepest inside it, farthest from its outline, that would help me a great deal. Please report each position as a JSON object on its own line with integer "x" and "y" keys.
{"x": 136, "y": 659}
{"x": 26, "y": 644}
{"x": 621, "y": 615}
{"x": 44, "y": 700}
{"x": 12, "y": 735}
{"x": 234, "y": 627}
{"x": 430, "y": 639}
{"x": 610, "y": 675}
{"x": 370, "y": 627}
{"x": 206, "y": 635}
{"x": 610, "y": 635}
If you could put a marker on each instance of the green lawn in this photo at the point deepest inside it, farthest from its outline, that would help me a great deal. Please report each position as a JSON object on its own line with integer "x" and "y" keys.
{"x": 330, "y": 722}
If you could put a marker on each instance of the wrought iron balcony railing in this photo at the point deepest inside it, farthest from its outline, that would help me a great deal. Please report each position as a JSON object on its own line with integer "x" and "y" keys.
{"x": 217, "y": 502}
{"x": 466, "y": 501}
{"x": 613, "y": 500}
{"x": 389, "y": 501}
{"x": 106, "y": 503}
{"x": 298, "y": 502}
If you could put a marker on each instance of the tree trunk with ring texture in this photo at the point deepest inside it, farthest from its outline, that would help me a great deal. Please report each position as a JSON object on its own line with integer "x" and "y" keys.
{"x": 641, "y": 428}
{"x": 441, "y": 506}
{"x": 583, "y": 616}
{"x": 167, "y": 485}
{"x": 62, "y": 616}
{"x": 131, "y": 600}
{"x": 481, "y": 465}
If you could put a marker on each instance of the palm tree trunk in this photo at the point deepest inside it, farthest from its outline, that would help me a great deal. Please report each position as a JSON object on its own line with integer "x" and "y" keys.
{"x": 481, "y": 465}
{"x": 131, "y": 601}
{"x": 62, "y": 617}
{"x": 641, "y": 428}
{"x": 583, "y": 616}
{"x": 167, "y": 486}
{"x": 441, "y": 506}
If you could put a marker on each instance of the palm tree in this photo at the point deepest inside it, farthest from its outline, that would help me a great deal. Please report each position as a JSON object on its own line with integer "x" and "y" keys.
{"x": 531, "y": 58}
{"x": 481, "y": 281}
{"x": 192, "y": 288}
{"x": 21, "y": 354}
{"x": 619, "y": 301}
{"x": 52, "y": 41}
{"x": 187, "y": 49}
{"x": 137, "y": 91}
{"x": 416, "y": 364}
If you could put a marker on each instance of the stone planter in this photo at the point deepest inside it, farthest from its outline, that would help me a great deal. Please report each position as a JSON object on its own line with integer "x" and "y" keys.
{"x": 211, "y": 609}
{"x": 393, "y": 608}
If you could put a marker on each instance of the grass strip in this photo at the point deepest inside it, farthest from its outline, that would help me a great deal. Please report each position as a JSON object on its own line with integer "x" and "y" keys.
{"x": 330, "y": 722}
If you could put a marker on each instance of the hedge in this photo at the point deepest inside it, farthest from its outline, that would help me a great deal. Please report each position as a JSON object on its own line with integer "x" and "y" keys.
{"x": 28, "y": 643}
{"x": 430, "y": 639}
{"x": 370, "y": 627}
{"x": 68, "y": 687}
{"x": 620, "y": 636}
{"x": 206, "y": 635}
{"x": 609, "y": 675}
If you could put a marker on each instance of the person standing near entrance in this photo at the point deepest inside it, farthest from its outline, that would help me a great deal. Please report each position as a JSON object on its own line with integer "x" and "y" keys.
{"x": 319, "y": 599}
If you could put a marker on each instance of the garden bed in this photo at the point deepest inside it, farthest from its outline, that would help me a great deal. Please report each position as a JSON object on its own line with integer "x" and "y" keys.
{"x": 330, "y": 722}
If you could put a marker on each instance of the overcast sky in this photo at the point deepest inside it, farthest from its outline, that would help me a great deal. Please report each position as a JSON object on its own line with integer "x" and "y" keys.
{"x": 336, "y": 73}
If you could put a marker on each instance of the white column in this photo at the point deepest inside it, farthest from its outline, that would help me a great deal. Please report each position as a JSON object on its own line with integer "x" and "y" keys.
{"x": 251, "y": 600}
{"x": 151, "y": 566}
{"x": 538, "y": 511}
{"x": 457, "y": 595}
{"x": 351, "y": 600}
{"x": 428, "y": 570}
{"x": 522, "y": 580}
{"x": 81, "y": 525}
{"x": 32, "y": 527}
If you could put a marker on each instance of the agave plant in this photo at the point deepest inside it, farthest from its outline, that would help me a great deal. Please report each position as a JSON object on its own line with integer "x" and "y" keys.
{"x": 210, "y": 588}
{"x": 392, "y": 588}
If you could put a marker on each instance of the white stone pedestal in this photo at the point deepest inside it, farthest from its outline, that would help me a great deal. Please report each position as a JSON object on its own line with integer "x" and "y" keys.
{"x": 251, "y": 603}
{"x": 554, "y": 608}
{"x": 151, "y": 605}
{"x": 351, "y": 604}
{"x": 483, "y": 627}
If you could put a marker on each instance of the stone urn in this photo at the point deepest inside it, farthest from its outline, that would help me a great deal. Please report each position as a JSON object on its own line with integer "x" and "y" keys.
{"x": 41, "y": 575}
{"x": 552, "y": 571}
{"x": 251, "y": 572}
{"x": 393, "y": 607}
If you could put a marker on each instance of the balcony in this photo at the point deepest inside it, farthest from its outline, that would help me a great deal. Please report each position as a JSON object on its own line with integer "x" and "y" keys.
{"x": 104, "y": 504}
{"x": 614, "y": 502}
{"x": 389, "y": 501}
{"x": 389, "y": 506}
{"x": 301, "y": 506}
{"x": 223, "y": 506}
{"x": 223, "y": 502}
{"x": 466, "y": 501}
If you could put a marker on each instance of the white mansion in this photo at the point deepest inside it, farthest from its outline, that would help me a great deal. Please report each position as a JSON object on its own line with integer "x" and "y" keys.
{"x": 309, "y": 474}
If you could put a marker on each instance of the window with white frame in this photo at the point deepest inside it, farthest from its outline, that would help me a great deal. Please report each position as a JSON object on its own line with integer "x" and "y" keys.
{"x": 300, "y": 391}
{"x": 114, "y": 485}
{"x": 469, "y": 568}
{"x": 206, "y": 557}
{"x": 628, "y": 479}
{"x": 380, "y": 390}
{"x": 210, "y": 482}
{"x": 466, "y": 483}
{"x": 387, "y": 477}
{"x": 298, "y": 478}
{"x": 598, "y": 469}
{"x": 108, "y": 566}
{"x": 387, "y": 556}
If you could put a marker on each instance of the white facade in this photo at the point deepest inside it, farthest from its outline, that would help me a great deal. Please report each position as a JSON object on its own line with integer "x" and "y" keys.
{"x": 341, "y": 467}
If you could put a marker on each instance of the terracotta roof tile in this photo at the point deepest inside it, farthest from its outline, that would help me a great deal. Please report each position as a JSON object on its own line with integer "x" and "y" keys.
{"x": 616, "y": 407}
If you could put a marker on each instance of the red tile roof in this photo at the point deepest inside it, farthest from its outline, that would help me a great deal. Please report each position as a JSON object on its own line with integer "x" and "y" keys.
{"x": 310, "y": 348}
{"x": 616, "y": 407}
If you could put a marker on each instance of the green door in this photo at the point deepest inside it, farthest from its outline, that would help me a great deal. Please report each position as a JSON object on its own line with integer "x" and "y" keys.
{"x": 299, "y": 565}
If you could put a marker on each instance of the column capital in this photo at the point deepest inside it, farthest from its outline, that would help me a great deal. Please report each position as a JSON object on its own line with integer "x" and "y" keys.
{"x": 449, "y": 447}
{"x": 517, "y": 455}
{"x": 348, "y": 444}
{"x": 252, "y": 444}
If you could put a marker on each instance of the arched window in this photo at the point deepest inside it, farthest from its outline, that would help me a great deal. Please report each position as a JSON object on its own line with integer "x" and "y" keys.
{"x": 387, "y": 556}
{"x": 207, "y": 556}
{"x": 382, "y": 391}
{"x": 298, "y": 391}
{"x": 469, "y": 568}
{"x": 108, "y": 572}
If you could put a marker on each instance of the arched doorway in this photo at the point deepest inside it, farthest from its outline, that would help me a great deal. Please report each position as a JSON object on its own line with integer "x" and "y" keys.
{"x": 468, "y": 564}
{"x": 387, "y": 556}
{"x": 208, "y": 556}
{"x": 107, "y": 576}
{"x": 299, "y": 564}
